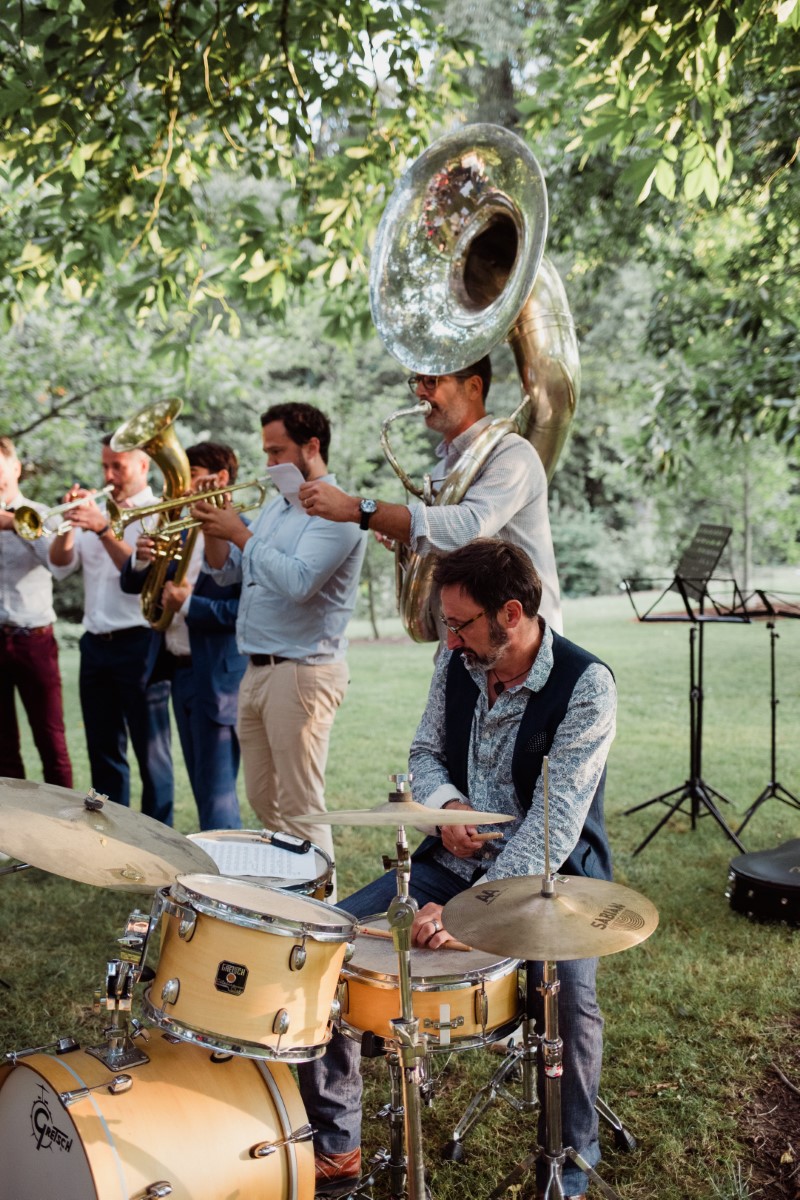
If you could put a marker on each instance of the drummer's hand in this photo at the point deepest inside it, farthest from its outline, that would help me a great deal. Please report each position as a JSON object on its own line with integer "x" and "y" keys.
{"x": 460, "y": 840}
{"x": 428, "y": 930}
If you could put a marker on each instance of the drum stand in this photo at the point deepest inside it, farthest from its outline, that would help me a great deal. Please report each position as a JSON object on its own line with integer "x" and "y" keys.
{"x": 553, "y": 1153}
{"x": 521, "y": 1060}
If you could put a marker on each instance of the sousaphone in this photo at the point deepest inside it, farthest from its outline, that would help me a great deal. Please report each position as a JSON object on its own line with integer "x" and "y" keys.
{"x": 458, "y": 267}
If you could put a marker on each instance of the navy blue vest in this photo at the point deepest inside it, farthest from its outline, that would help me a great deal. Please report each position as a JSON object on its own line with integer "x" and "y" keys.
{"x": 543, "y": 714}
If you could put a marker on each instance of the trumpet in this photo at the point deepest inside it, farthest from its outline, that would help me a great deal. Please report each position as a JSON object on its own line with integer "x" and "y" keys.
{"x": 30, "y": 524}
{"x": 120, "y": 518}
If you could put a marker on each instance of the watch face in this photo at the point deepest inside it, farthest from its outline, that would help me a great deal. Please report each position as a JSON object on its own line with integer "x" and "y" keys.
{"x": 368, "y": 506}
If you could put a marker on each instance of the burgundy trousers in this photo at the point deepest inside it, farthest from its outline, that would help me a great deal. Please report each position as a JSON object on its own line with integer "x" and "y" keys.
{"x": 29, "y": 665}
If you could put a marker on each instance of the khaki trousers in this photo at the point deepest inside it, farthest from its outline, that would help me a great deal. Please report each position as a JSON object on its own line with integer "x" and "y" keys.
{"x": 284, "y": 725}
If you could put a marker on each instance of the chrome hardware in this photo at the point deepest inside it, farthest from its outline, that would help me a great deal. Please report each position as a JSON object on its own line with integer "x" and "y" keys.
{"x": 155, "y": 1191}
{"x": 62, "y": 1046}
{"x": 349, "y": 951}
{"x": 263, "y": 1149}
{"x": 297, "y": 958}
{"x": 481, "y": 1007}
{"x": 94, "y": 801}
{"x": 118, "y": 1085}
{"x": 336, "y": 1011}
{"x": 187, "y": 925}
{"x": 429, "y": 1023}
{"x": 170, "y": 991}
{"x": 281, "y": 1023}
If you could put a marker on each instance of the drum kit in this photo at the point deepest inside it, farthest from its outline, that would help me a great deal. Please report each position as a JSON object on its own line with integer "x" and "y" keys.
{"x": 253, "y": 971}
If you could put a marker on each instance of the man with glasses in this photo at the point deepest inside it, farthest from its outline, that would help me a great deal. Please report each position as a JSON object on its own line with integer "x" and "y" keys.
{"x": 507, "y": 499}
{"x": 506, "y": 691}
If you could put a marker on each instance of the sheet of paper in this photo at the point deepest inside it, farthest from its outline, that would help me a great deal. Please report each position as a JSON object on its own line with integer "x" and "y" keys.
{"x": 235, "y": 857}
{"x": 287, "y": 479}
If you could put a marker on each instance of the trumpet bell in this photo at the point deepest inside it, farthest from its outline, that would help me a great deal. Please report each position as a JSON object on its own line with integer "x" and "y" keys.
{"x": 28, "y": 524}
{"x": 458, "y": 249}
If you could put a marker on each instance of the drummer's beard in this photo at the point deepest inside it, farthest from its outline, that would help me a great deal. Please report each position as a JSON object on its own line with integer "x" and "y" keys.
{"x": 498, "y": 640}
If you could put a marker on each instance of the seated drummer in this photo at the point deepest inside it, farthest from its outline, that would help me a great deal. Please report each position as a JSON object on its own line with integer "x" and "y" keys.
{"x": 505, "y": 692}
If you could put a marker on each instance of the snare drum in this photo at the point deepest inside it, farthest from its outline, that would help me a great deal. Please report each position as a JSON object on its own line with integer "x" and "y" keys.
{"x": 277, "y": 859}
{"x": 461, "y": 999}
{"x": 245, "y": 968}
{"x": 186, "y": 1122}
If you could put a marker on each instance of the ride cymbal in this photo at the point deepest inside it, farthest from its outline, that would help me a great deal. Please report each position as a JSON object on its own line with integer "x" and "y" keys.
{"x": 403, "y": 812}
{"x": 583, "y": 918}
{"x": 61, "y": 831}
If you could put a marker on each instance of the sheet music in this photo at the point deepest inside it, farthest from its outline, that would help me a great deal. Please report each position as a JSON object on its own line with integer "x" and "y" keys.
{"x": 288, "y": 480}
{"x": 235, "y": 857}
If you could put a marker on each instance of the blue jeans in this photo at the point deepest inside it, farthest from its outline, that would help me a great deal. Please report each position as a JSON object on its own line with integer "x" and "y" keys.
{"x": 331, "y": 1086}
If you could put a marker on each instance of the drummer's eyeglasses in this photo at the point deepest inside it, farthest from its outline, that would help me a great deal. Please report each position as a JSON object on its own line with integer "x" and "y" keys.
{"x": 457, "y": 630}
{"x": 429, "y": 383}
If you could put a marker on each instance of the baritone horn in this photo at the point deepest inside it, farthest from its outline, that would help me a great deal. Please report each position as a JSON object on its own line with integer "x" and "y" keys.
{"x": 31, "y": 524}
{"x": 152, "y": 430}
{"x": 458, "y": 267}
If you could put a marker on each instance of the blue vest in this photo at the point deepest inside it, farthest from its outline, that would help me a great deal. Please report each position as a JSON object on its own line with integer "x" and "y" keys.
{"x": 543, "y": 714}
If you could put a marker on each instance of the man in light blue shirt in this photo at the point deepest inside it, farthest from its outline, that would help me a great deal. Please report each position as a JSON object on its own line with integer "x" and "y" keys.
{"x": 299, "y": 577}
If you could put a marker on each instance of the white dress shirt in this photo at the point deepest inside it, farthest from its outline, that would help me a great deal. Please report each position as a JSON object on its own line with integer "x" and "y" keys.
{"x": 106, "y": 607}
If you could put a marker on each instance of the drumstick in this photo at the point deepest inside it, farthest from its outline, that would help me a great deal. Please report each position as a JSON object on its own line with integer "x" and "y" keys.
{"x": 486, "y": 837}
{"x": 386, "y": 935}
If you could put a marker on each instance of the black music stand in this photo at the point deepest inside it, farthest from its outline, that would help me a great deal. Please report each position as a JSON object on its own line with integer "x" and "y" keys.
{"x": 773, "y": 608}
{"x": 692, "y": 580}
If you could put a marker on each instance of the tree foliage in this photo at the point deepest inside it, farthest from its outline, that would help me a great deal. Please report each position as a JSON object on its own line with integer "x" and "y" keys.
{"x": 206, "y": 155}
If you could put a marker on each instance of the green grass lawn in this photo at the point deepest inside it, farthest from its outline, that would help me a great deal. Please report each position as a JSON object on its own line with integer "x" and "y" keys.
{"x": 694, "y": 1016}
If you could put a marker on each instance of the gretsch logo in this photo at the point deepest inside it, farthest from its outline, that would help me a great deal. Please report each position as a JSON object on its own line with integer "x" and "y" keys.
{"x": 45, "y": 1132}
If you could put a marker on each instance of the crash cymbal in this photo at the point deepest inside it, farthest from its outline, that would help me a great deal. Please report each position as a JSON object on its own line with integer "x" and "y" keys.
{"x": 54, "y": 829}
{"x": 403, "y": 812}
{"x": 584, "y": 918}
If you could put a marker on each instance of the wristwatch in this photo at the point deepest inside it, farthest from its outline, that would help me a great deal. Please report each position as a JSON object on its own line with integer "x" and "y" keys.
{"x": 367, "y": 508}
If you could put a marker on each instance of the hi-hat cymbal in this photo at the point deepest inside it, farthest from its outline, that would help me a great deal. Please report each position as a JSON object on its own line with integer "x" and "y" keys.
{"x": 403, "y": 812}
{"x": 583, "y": 918}
{"x": 52, "y": 828}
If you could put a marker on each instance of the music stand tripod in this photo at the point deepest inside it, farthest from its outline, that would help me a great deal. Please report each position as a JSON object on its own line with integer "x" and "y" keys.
{"x": 691, "y": 581}
{"x": 773, "y": 788}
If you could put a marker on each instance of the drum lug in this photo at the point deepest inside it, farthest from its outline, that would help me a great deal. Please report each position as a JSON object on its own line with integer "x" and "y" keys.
{"x": 336, "y": 1011}
{"x": 187, "y": 925}
{"x": 343, "y": 996}
{"x": 349, "y": 951}
{"x": 118, "y": 1085}
{"x": 281, "y": 1023}
{"x": 481, "y": 1007}
{"x": 155, "y": 1191}
{"x": 297, "y": 958}
{"x": 170, "y": 991}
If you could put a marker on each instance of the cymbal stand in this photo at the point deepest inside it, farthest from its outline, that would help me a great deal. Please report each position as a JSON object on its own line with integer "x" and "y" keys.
{"x": 553, "y": 1153}
{"x": 410, "y": 1046}
{"x": 520, "y": 1062}
{"x": 773, "y": 788}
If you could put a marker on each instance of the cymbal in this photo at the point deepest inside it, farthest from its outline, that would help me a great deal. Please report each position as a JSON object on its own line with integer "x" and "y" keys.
{"x": 52, "y": 828}
{"x": 403, "y": 812}
{"x": 583, "y": 918}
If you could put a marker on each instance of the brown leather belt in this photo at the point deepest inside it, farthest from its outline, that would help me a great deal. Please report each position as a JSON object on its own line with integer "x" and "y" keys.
{"x": 267, "y": 660}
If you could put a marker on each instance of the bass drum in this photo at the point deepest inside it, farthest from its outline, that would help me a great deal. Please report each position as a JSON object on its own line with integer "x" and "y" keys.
{"x": 187, "y": 1123}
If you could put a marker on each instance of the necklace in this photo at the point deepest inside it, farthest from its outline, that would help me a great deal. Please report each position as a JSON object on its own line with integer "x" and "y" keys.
{"x": 500, "y": 685}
